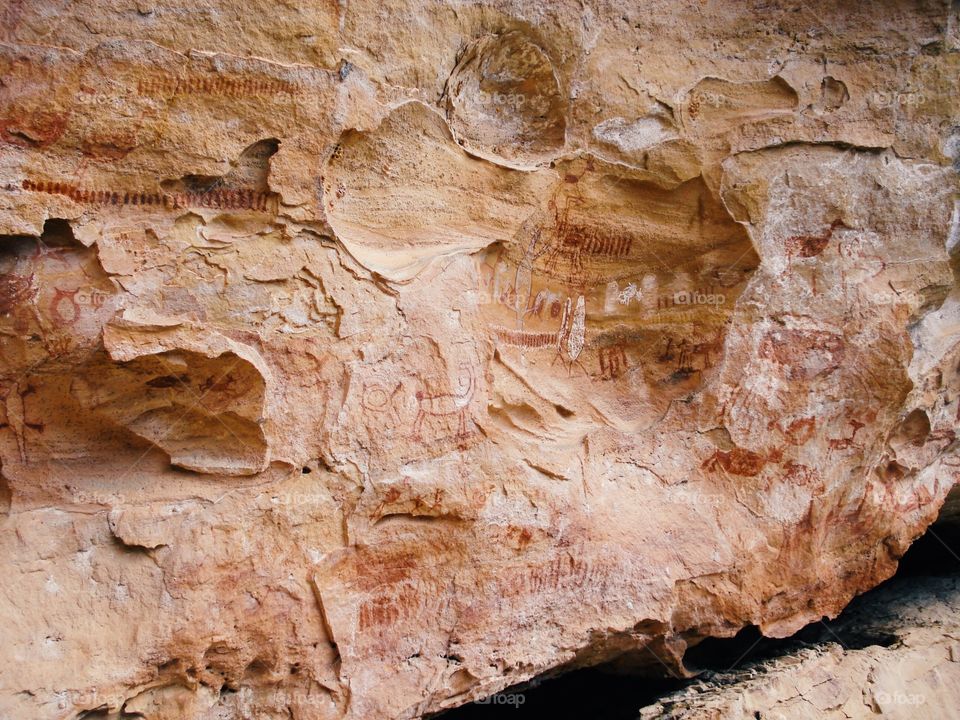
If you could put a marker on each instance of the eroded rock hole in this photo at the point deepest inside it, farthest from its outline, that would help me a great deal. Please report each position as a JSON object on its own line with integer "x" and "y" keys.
{"x": 591, "y": 692}
{"x": 937, "y": 551}
{"x": 504, "y": 103}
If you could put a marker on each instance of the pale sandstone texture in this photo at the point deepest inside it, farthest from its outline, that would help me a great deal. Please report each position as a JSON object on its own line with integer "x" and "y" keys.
{"x": 362, "y": 359}
{"x": 906, "y": 665}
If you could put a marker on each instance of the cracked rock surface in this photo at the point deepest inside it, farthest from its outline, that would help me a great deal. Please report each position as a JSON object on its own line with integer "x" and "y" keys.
{"x": 362, "y": 359}
{"x": 907, "y": 667}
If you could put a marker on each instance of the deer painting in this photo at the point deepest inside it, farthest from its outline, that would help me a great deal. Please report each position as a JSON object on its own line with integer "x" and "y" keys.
{"x": 447, "y": 404}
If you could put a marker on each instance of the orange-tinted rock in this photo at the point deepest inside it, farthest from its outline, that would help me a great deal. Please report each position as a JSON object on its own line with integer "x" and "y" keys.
{"x": 364, "y": 359}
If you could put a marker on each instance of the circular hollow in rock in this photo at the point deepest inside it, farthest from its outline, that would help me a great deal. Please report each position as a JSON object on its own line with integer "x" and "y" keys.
{"x": 504, "y": 102}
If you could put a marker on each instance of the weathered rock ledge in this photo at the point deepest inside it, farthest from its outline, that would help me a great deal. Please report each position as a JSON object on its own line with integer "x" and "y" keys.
{"x": 907, "y": 667}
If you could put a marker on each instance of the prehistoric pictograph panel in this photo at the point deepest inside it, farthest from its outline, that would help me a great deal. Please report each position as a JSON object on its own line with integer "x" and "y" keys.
{"x": 619, "y": 284}
{"x": 364, "y": 359}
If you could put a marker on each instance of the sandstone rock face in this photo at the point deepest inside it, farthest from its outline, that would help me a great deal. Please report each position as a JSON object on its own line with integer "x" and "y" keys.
{"x": 908, "y": 667}
{"x": 363, "y": 359}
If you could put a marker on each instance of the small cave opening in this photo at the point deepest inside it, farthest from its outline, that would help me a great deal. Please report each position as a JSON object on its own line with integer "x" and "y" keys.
{"x": 57, "y": 232}
{"x": 606, "y": 692}
{"x": 594, "y": 692}
{"x": 6, "y": 495}
{"x": 937, "y": 551}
